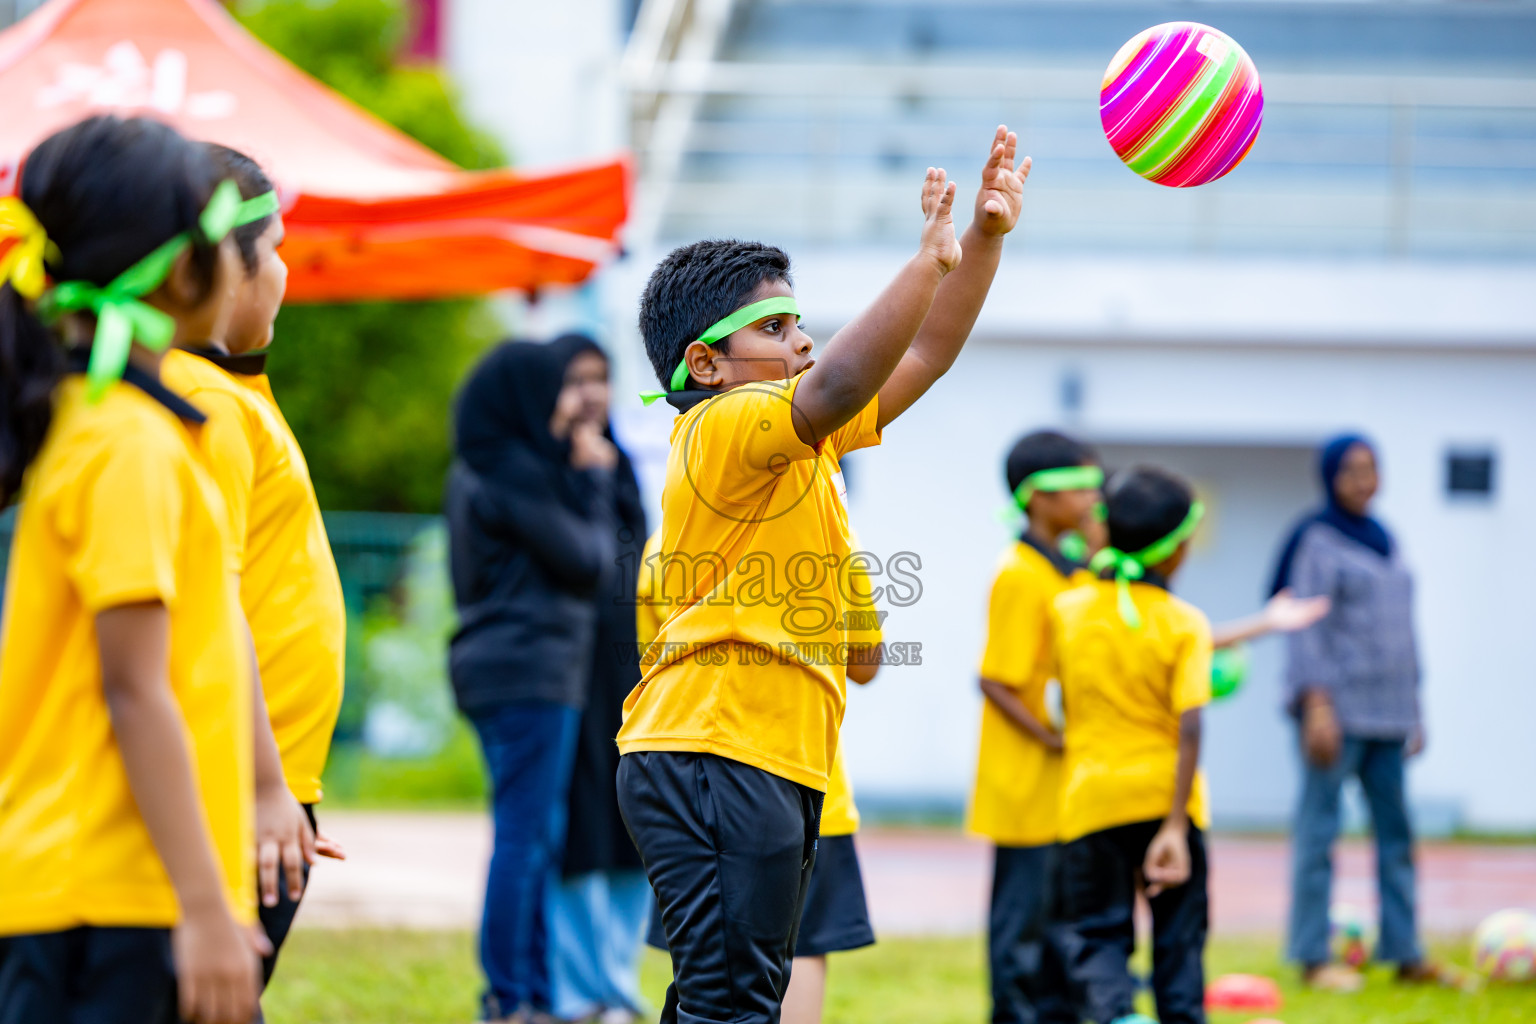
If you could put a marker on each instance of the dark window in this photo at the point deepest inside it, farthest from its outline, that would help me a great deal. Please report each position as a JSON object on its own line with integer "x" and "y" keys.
{"x": 1469, "y": 473}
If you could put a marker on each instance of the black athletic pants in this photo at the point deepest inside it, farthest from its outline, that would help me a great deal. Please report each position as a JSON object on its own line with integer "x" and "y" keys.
{"x": 728, "y": 849}
{"x": 1024, "y": 939}
{"x": 88, "y": 976}
{"x": 1100, "y": 876}
{"x": 277, "y": 921}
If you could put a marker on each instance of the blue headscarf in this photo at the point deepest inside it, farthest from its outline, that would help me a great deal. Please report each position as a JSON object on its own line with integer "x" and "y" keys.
{"x": 1361, "y": 529}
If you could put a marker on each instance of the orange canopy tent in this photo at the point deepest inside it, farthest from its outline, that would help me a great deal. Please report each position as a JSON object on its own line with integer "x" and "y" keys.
{"x": 370, "y": 213}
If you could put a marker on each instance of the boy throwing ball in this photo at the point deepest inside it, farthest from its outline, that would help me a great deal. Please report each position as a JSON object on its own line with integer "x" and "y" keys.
{"x": 728, "y": 738}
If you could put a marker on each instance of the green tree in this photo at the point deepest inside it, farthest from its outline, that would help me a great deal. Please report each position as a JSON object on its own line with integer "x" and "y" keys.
{"x": 367, "y": 387}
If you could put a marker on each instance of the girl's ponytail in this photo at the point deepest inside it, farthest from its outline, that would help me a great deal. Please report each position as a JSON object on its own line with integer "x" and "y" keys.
{"x": 31, "y": 363}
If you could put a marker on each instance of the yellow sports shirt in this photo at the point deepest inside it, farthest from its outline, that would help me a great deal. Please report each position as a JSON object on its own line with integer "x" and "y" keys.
{"x": 1124, "y": 690}
{"x": 288, "y": 583}
{"x": 1018, "y": 781}
{"x": 839, "y": 814}
{"x": 117, "y": 509}
{"x": 754, "y": 528}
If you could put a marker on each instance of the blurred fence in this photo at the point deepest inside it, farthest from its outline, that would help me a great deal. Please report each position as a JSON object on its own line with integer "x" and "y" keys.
{"x": 370, "y": 549}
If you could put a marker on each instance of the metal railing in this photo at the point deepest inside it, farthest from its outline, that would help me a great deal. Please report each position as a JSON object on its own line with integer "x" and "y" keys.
{"x": 826, "y": 147}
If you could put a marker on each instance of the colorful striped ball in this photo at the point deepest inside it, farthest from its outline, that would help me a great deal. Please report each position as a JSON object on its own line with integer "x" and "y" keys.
{"x": 1181, "y": 104}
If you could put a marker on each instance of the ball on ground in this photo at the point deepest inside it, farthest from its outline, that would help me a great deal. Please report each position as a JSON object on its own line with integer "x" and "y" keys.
{"x": 1350, "y": 934}
{"x": 1504, "y": 946}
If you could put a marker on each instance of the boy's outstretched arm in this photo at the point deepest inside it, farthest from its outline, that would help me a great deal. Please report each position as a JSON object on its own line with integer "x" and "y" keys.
{"x": 861, "y": 357}
{"x": 960, "y": 297}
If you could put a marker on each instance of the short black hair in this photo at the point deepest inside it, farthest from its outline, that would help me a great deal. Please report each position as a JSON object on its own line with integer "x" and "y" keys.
{"x": 1145, "y": 504}
{"x": 252, "y": 182}
{"x": 1045, "y": 449}
{"x": 697, "y": 285}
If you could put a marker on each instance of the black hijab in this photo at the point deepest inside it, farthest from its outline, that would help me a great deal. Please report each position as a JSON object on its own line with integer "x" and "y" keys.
{"x": 596, "y": 838}
{"x": 629, "y": 509}
{"x": 1364, "y": 530}
{"x": 501, "y": 421}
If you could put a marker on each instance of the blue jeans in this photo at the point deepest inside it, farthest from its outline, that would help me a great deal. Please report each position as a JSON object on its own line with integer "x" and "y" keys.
{"x": 596, "y": 923}
{"x": 1378, "y": 764}
{"x": 528, "y": 750}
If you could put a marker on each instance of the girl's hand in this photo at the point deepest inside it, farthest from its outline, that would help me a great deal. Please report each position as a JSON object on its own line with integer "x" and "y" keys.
{"x": 284, "y": 842}
{"x": 218, "y": 966}
{"x": 1287, "y": 613}
{"x": 938, "y": 238}
{"x": 1167, "y": 862}
{"x": 1001, "y": 197}
{"x": 590, "y": 449}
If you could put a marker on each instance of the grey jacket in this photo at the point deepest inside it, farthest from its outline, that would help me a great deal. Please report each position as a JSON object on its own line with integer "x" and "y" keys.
{"x": 1363, "y": 653}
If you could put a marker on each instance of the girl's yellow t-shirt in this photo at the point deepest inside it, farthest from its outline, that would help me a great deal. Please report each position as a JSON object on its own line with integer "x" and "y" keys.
{"x": 289, "y": 587}
{"x": 117, "y": 509}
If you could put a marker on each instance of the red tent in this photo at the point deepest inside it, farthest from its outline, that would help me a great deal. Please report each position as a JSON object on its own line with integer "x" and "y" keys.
{"x": 370, "y": 213}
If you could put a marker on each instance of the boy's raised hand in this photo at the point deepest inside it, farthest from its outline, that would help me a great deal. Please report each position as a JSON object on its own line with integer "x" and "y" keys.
{"x": 939, "y": 239}
{"x": 1001, "y": 196}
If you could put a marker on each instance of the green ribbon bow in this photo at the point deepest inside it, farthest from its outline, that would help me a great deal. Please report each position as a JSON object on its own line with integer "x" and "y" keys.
{"x": 724, "y": 328}
{"x": 121, "y": 318}
{"x": 1133, "y": 565}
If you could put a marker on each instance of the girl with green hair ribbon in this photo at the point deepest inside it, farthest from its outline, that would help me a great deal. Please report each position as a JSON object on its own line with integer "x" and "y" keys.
{"x": 124, "y": 663}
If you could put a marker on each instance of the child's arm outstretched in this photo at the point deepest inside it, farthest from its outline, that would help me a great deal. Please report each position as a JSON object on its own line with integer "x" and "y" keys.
{"x": 217, "y": 961}
{"x": 1283, "y": 613}
{"x": 960, "y": 297}
{"x": 1167, "y": 863}
{"x": 861, "y": 357}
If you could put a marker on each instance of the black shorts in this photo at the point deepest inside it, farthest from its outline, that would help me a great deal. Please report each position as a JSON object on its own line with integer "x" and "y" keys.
{"x": 836, "y": 915}
{"x": 88, "y": 976}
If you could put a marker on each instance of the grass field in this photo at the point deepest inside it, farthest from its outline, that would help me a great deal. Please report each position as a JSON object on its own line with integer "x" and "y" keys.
{"x": 380, "y": 977}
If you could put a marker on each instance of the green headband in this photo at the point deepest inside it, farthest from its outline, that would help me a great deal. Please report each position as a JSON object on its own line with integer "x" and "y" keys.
{"x": 1064, "y": 478}
{"x": 120, "y": 317}
{"x": 1133, "y": 566}
{"x": 724, "y": 328}
{"x": 253, "y": 209}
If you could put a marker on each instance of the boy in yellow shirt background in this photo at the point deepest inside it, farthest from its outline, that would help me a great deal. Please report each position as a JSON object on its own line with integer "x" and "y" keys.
{"x": 1135, "y": 669}
{"x": 1054, "y": 480}
{"x": 728, "y": 738}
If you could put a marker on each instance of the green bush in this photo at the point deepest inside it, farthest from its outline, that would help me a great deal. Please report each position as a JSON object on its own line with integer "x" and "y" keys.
{"x": 367, "y": 387}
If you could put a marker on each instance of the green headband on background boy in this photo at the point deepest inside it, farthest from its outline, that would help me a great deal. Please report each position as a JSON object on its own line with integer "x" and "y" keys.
{"x": 1050, "y": 481}
{"x": 1133, "y": 566}
{"x": 1063, "y": 478}
{"x": 724, "y": 328}
{"x": 121, "y": 316}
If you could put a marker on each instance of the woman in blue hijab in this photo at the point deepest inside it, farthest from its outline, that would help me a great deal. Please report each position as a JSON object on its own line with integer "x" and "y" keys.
{"x": 1352, "y": 683}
